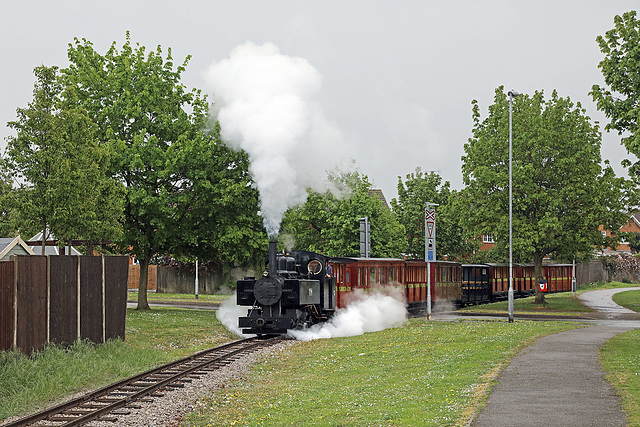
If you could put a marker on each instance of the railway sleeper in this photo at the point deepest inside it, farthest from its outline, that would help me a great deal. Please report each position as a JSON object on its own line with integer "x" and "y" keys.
{"x": 108, "y": 418}
{"x": 77, "y": 412}
{"x": 62, "y": 418}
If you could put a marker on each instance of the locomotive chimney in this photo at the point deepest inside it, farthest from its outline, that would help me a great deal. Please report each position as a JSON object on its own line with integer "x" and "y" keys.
{"x": 273, "y": 266}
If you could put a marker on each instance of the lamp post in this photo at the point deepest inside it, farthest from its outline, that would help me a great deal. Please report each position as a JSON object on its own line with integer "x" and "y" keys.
{"x": 512, "y": 94}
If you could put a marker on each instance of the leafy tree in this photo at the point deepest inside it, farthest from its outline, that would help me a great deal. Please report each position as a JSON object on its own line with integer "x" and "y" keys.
{"x": 413, "y": 194}
{"x": 634, "y": 241}
{"x": 55, "y": 157}
{"x": 222, "y": 223}
{"x": 329, "y": 225}
{"x": 621, "y": 70}
{"x": 561, "y": 193}
{"x": 8, "y": 224}
{"x": 171, "y": 165}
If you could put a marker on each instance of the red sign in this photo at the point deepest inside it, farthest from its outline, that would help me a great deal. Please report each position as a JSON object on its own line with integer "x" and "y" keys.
{"x": 542, "y": 286}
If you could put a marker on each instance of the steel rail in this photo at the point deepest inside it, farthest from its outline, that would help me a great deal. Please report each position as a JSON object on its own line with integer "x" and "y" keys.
{"x": 156, "y": 378}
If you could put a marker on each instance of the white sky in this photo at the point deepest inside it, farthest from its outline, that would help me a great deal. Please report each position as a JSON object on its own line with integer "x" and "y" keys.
{"x": 398, "y": 76}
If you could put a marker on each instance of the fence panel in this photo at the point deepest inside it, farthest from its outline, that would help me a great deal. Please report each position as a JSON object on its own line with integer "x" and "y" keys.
{"x": 115, "y": 286}
{"x": 31, "y": 300}
{"x": 6, "y": 305}
{"x": 91, "y": 299}
{"x": 134, "y": 277}
{"x": 63, "y": 305}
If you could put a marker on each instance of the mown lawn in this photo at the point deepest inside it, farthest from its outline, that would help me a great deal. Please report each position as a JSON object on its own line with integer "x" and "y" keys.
{"x": 424, "y": 374}
{"x": 157, "y": 297}
{"x": 621, "y": 360}
{"x": 152, "y": 338}
{"x": 628, "y": 299}
{"x": 562, "y": 303}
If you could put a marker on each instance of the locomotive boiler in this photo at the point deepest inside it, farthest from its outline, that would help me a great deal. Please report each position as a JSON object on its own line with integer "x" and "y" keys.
{"x": 294, "y": 292}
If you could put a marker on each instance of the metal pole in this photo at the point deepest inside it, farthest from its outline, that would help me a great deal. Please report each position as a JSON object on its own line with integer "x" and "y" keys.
{"x": 511, "y": 95}
{"x": 573, "y": 279}
{"x": 429, "y": 252}
{"x": 197, "y": 285}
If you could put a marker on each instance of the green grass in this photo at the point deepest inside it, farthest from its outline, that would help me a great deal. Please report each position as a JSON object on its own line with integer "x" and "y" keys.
{"x": 424, "y": 374}
{"x": 628, "y": 299}
{"x": 152, "y": 338}
{"x": 621, "y": 359}
{"x": 562, "y": 303}
{"x": 202, "y": 298}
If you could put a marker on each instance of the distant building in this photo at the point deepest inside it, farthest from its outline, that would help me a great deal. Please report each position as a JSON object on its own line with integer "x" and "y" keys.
{"x": 13, "y": 246}
{"x": 631, "y": 226}
{"x": 50, "y": 250}
{"x": 377, "y": 194}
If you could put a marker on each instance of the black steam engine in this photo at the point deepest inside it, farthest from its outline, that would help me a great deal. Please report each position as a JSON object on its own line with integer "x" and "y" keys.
{"x": 294, "y": 293}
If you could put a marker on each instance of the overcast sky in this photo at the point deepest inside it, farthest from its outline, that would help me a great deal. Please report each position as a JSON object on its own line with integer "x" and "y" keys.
{"x": 398, "y": 77}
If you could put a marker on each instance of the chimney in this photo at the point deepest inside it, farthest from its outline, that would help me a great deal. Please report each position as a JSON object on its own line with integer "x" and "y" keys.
{"x": 273, "y": 266}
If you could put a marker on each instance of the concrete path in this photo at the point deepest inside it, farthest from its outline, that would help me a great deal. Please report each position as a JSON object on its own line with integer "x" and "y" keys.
{"x": 558, "y": 381}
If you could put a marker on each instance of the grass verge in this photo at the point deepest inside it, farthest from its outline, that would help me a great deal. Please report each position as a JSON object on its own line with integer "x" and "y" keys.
{"x": 628, "y": 299}
{"x": 202, "y": 298}
{"x": 621, "y": 359}
{"x": 152, "y": 338}
{"x": 424, "y": 374}
{"x": 562, "y": 303}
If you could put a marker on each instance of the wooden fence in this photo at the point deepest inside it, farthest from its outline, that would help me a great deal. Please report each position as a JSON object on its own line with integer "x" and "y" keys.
{"x": 59, "y": 299}
{"x": 134, "y": 277}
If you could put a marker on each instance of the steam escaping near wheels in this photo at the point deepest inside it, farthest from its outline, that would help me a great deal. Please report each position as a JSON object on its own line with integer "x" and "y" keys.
{"x": 367, "y": 312}
{"x": 228, "y": 314}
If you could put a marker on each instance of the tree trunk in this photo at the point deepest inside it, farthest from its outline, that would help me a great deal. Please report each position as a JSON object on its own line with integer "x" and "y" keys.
{"x": 537, "y": 269}
{"x": 143, "y": 304}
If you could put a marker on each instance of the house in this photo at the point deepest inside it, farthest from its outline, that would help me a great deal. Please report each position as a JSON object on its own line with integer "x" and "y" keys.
{"x": 13, "y": 246}
{"x": 50, "y": 249}
{"x": 631, "y": 226}
{"x": 377, "y": 194}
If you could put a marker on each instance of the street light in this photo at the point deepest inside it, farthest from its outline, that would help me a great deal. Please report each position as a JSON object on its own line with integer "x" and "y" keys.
{"x": 512, "y": 94}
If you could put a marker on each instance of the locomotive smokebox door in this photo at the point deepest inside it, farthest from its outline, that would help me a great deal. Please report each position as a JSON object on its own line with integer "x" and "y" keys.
{"x": 268, "y": 290}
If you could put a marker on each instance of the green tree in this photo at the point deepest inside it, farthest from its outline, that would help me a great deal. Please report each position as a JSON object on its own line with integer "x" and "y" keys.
{"x": 222, "y": 224}
{"x": 413, "y": 194}
{"x": 171, "y": 164}
{"x": 329, "y": 225}
{"x": 8, "y": 224}
{"x": 561, "y": 193}
{"x": 620, "y": 67}
{"x": 61, "y": 169}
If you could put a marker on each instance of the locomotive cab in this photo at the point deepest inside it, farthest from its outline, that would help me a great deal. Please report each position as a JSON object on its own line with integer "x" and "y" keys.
{"x": 292, "y": 294}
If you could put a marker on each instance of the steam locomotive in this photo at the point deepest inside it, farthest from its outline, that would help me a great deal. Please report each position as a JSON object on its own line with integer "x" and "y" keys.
{"x": 295, "y": 292}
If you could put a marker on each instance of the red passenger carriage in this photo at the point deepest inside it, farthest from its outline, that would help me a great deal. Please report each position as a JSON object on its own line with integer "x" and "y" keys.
{"x": 368, "y": 273}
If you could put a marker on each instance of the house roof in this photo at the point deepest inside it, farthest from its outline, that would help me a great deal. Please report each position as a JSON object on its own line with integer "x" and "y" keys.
{"x": 49, "y": 250}
{"x": 13, "y": 245}
{"x": 377, "y": 194}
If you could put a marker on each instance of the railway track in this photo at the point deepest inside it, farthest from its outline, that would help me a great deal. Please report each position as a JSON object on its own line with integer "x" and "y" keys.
{"x": 107, "y": 403}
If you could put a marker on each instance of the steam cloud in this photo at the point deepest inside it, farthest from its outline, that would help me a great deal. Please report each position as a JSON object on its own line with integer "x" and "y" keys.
{"x": 229, "y": 312}
{"x": 267, "y": 104}
{"x": 366, "y": 313}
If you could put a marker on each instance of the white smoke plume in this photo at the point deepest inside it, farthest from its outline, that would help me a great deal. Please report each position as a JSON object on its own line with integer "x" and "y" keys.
{"x": 229, "y": 312}
{"x": 267, "y": 104}
{"x": 367, "y": 312}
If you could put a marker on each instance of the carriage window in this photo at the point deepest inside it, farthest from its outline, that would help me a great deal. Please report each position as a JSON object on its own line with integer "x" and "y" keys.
{"x": 348, "y": 278}
{"x": 372, "y": 275}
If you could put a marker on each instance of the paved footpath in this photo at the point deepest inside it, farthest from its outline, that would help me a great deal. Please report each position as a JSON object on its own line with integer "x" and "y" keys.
{"x": 558, "y": 381}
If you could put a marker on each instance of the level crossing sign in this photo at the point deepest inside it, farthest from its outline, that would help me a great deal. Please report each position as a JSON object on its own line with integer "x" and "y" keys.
{"x": 430, "y": 234}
